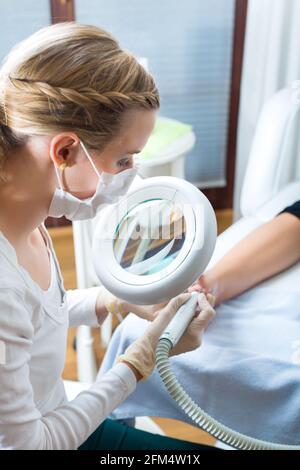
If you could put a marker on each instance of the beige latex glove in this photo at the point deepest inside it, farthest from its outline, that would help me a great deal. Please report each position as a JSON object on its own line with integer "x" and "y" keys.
{"x": 120, "y": 308}
{"x": 141, "y": 353}
{"x": 192, "y": 338}
{"x": 113, "y": 304}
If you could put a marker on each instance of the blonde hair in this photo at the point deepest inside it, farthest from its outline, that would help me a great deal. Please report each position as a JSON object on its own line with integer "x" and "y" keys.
{"x": 70, "y": 76}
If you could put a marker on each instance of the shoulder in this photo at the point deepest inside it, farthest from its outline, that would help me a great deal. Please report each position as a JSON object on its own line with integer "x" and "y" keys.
{"x": 10, "y": 274}
{"x": 16, "y": 319}
{"x": 17, "y": 299}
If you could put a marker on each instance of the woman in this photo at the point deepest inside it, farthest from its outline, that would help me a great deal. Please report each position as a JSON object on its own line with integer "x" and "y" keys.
{"x": 74, "y": 109}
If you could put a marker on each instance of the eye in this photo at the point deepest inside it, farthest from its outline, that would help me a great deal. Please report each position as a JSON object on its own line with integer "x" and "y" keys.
{"x": 124, "y": 162}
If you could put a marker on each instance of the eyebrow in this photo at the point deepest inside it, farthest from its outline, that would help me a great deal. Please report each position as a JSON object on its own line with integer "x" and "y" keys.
{"x": 134, "y": 151}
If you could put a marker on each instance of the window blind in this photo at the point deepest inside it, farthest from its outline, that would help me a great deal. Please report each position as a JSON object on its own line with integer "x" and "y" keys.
{"x": 189, "y": 47}
{"x": 19, "y": 19}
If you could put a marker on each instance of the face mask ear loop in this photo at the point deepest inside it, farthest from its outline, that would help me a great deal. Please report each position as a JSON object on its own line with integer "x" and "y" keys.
{"x": 88, "y": 156}
{"x": 58, "y": 178}
{"x": 136, "y": 161}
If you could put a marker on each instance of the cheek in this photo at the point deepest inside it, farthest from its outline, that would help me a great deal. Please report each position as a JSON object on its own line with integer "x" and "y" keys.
{"x": 107, "y": 165}
{"x": 80, "y": 180}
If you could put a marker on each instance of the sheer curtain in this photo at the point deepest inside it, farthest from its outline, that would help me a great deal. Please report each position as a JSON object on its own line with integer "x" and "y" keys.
{"x": 271, "y": 62}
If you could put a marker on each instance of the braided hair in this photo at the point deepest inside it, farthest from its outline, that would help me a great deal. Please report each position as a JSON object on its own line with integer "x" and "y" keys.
{"x": 70, "y": 76}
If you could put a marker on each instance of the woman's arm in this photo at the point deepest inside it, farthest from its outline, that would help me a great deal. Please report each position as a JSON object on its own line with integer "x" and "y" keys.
{"x": 22, "y": 426}
{"x": 91, "y": 306}
{"x": 84, "y": 306}
{"x": 266, "y": 251}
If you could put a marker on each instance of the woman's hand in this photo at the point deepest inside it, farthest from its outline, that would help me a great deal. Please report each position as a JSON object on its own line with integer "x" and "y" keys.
{"x": 192, "y": 338}
{"x": 107, "y": 302}
{"x": 147, "y": 312}
{"x": 141, "y": 353}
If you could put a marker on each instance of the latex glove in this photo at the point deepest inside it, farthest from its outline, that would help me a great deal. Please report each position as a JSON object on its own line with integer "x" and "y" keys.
{"x": 141, "y": 353}
{"x": 112, "y": 304}
{"x": 147, "y": 312}
{"x": 192, "y": 338}
{"x": 120, "y": 308}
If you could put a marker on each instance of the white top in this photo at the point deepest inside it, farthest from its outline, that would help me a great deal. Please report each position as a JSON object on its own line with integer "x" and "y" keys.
{"x": 53, "y": 296}
{"x": 34, "y": 411}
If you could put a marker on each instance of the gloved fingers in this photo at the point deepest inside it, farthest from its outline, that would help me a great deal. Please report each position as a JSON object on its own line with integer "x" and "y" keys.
{"x": 171, "y": 308}
{"x": 205, "y": 301}
{"x": 156, "y": 308}
{"x": 206, "y": 313}
{"x": 197, "y": 327}
{"x": 211, "y": 299}
{"x": 147, "y": 312}
{"x": 202, "y": 320}
{"x": 112, "y": 304}
{"x": 192, "y": 337}
{"x": 165, "y": 315}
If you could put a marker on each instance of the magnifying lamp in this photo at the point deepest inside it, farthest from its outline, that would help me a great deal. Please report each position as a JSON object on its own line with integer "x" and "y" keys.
{"x": 154, "y": 243}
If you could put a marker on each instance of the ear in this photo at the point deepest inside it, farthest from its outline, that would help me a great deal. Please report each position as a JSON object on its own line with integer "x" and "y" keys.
{"x": 64, "y": 148}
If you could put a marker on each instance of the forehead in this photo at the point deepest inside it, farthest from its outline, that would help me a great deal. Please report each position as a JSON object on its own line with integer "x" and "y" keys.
{"x": 135, "y": 130}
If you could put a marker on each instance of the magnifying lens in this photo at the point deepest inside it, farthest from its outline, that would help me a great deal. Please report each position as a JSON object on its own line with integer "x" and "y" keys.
{"x": 148, "y": 248}
{"x": 154, "y": 243}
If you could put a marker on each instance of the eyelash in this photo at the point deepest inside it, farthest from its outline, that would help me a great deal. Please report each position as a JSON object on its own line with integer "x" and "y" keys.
{"x": 123, "y": 163}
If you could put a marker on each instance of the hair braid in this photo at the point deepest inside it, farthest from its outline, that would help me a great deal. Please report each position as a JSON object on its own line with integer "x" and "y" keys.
{"x": 97, "y": 82}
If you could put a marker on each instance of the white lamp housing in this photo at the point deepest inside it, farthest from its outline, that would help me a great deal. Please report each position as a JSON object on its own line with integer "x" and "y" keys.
{"x": 183, "y": 269}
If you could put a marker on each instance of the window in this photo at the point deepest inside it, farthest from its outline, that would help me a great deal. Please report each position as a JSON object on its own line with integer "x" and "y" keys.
{"x": 18, "y": 23}
{"x": 189, "y": 47}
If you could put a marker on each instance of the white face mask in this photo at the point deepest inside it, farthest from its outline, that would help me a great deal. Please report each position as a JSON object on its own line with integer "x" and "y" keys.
{"x": 109, "y": 189}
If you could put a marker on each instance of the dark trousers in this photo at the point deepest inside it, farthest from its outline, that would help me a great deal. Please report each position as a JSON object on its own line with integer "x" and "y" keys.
{"x": 114, "y": 435}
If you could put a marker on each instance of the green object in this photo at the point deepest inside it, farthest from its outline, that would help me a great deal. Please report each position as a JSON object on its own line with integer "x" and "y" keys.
{"x": 165, "y": 133}
{"x": 113, "y": 435}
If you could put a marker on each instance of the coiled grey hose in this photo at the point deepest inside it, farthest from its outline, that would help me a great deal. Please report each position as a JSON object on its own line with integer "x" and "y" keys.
{"x": 196, "y": 414}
